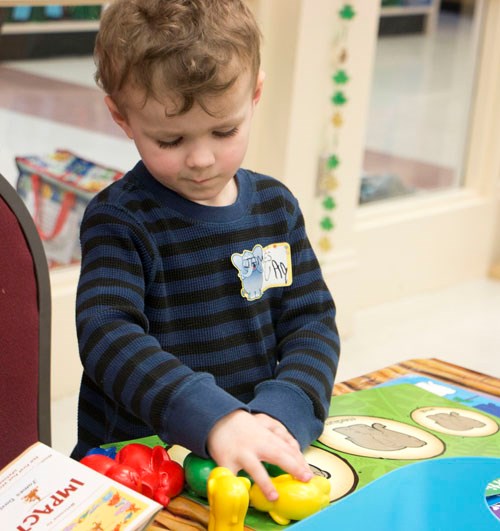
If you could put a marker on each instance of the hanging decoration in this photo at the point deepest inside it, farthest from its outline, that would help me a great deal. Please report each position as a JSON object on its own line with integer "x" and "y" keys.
{"x": 329, "y": 166}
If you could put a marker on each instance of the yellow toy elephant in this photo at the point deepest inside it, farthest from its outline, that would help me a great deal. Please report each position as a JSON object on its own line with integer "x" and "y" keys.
{"x": 228, "y": 497}
{"x": 297, "y": 500}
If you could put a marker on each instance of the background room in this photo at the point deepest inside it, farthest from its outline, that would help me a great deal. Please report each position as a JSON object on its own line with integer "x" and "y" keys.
{"x": 382, "y": 119}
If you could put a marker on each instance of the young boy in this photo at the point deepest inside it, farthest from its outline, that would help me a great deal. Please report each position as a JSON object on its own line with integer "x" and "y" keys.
{"x": 202, "y": 314}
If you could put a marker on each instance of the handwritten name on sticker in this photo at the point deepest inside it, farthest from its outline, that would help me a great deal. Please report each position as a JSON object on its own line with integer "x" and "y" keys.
{"x": 263, "y": 268}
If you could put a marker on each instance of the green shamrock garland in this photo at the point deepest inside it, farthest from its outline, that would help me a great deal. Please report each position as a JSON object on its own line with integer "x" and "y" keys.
{"x": 340, "y": 79}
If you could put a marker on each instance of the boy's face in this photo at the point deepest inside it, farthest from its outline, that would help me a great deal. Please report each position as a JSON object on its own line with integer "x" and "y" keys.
{"x": 194, "y": 154}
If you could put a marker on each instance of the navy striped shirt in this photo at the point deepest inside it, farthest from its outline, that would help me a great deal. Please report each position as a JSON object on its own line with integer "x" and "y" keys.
{"x": 187, "y": 312}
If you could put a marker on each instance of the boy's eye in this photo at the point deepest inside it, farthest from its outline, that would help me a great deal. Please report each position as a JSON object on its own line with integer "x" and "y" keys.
{"x": 226, "y": 134}
{"x": 170, "y": 144}
{"x": 174, "y": 143}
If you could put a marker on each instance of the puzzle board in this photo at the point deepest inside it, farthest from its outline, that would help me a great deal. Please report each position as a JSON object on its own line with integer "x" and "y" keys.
{"x": 372, "y": 432}
{"x": 467, "y": 397}
{"x": 380, "y": 429}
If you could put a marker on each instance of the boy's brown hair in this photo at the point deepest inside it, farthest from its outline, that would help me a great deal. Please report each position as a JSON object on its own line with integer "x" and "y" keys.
{"x": 191, "y": 48}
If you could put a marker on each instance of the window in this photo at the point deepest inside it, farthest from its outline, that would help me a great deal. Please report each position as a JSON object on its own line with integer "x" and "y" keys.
{"x": 420, "y": 102}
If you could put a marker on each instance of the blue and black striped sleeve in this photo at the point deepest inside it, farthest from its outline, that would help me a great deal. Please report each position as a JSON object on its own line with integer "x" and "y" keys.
{"x": 307, "y": 345}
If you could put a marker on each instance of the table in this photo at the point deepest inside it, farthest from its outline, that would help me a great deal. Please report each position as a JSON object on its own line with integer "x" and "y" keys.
{"x": 431, "y": 368}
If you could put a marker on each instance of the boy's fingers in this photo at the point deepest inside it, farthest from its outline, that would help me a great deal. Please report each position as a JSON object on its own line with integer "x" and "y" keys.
{"x": 297, "y": 468}
{"x": 278, "y": 429}
{"x": 262, "y": 479}
{"x": 289, "y": 439}
{"x": 294, "y": 463}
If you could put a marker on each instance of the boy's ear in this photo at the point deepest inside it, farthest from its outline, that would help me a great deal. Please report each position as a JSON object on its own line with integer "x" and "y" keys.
{"x": 258, "y": 87}
{"x": 118, "y": 117}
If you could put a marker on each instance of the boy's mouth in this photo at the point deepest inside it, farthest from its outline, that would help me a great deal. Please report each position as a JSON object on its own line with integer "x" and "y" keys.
{"x": 201, "y": 180}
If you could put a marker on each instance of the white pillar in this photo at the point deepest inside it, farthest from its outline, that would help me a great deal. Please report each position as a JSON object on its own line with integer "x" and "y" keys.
{"x": 303, "y": 41}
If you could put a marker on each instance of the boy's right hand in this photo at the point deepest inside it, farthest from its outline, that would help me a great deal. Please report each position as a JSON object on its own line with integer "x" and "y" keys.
{"x": 242, "y": 441}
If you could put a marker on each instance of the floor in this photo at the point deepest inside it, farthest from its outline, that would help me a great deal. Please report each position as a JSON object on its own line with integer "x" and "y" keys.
{"x": 52, "y": 104}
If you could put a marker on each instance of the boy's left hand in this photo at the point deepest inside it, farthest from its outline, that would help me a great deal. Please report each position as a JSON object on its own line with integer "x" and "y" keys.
{"x": 243, "y": 441}
{"x": 278, "y": 429}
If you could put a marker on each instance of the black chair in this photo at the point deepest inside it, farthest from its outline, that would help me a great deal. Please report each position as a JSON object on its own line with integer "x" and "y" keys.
{"x": 25, "y": 321}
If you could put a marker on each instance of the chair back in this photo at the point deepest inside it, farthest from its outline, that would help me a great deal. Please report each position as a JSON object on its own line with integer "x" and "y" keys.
{"x": 25, "y": 320}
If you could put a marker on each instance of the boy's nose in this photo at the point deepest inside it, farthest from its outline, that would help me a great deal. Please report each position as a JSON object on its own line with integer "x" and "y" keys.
{"x": 200, "y": 157}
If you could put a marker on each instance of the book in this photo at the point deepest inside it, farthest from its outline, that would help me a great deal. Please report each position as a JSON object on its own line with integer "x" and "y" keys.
{"x": 45, "y": 490}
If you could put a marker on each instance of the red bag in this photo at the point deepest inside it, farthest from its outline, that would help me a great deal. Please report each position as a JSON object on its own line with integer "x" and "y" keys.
{"x": 56, "y": 190}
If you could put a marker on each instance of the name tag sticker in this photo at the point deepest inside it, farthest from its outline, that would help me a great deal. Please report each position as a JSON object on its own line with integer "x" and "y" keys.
{"x": 277, "y": 266}
{"x": 263, "y": 268}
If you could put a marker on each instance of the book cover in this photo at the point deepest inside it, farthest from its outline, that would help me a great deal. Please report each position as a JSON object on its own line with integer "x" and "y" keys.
{"x": 45, "y": 490}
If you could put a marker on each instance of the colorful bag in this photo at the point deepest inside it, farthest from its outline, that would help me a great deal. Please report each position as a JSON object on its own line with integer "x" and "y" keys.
{"x": 56, "y": 190}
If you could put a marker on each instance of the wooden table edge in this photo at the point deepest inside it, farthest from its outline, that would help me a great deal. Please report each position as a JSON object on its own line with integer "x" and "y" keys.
{"x": 432, "y": 367}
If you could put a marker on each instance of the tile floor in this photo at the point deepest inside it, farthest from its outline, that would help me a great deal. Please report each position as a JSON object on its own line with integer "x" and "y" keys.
{"x": 463, "y": 326}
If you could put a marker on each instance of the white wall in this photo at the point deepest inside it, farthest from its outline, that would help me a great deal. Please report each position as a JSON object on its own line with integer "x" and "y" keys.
{"x": 66, "y": 368}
